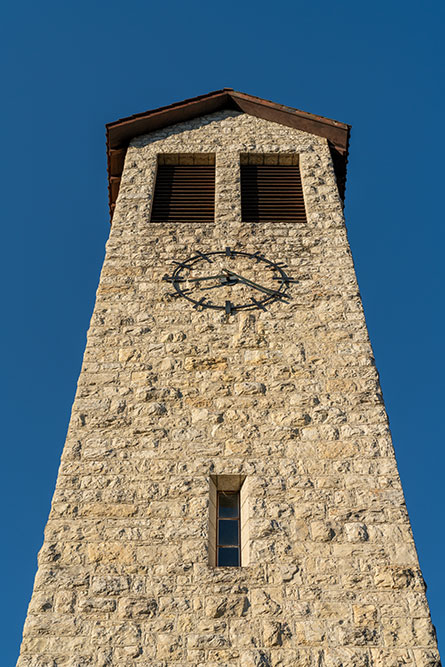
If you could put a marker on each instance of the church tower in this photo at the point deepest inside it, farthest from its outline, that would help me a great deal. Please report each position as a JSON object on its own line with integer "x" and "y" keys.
{"x": 228, "y": 492}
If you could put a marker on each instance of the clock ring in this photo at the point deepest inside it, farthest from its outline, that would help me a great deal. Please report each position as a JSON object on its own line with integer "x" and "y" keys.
{"x": 188, "y": 277}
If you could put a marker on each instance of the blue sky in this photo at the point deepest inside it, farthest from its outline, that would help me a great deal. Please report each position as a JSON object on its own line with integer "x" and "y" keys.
{"x": 68, "y": 68}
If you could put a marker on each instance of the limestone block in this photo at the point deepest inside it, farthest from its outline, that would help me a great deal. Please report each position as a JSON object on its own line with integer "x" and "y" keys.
{"x": 365, "y": 615}
{"x": 427, "y": 657}
{"x": 275, "y": 633}
{"x": 322, "y": 531}
{"x": 356, "y": 532}
{"x": 393, "y": 657}
{"x": 346, "y": 657}
{"x": 215, "y": 607}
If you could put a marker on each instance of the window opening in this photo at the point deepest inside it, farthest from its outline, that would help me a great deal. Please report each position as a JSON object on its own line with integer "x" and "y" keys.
{"x": 229, "y": 544}
{"x": 185, "y": 188}
{"x": 271, "y": 188}
{"x": 229, "y": 534}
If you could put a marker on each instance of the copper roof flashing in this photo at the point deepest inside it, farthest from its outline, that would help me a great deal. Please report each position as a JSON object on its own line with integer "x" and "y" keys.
{"x": 121, "y": 132}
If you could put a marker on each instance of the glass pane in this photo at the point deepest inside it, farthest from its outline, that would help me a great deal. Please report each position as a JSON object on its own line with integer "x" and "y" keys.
{"x": 228, "y": 532}
{"x": 228, "y": 556}
{"x": 228, "y": 505}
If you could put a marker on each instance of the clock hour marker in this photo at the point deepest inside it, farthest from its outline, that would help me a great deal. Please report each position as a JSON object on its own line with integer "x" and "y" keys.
{"x": 172, "y": 279}
{"x": 285, "y": 279}
{"x": 176, "y": 295}
{"x": 200, "y": 303}
{"x": 258, "y": 304}
{"x": 201, "y": 254}
{"x": 229, "y": 307}
{"x": 182, "y": 265}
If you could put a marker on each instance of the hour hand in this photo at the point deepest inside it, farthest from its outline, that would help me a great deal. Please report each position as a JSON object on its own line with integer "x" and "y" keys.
{"x": 224, "y": 281}
{"x": 180, "y": 279}
{"x": 196, "y": 280}
{"x": 260, "y": 288}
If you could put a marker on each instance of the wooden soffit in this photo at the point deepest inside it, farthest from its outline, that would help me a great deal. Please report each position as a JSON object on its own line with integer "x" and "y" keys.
{"x": 121, "y": 132}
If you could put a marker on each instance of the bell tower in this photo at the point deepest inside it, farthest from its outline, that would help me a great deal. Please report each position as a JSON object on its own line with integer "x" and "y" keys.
{"x": 228, "y": 492}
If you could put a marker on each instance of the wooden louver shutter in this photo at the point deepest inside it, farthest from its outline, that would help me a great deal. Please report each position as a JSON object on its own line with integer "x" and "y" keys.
{"x": 184, "y": 193}
{"x": 271, "y": 193}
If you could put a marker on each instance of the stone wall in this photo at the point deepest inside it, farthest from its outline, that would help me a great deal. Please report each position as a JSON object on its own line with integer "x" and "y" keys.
{"x": 290, "y": 398}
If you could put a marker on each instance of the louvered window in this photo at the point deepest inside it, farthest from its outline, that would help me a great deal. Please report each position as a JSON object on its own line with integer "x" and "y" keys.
{"x": 185, "y": 189}
{"x": 271, "y": 189}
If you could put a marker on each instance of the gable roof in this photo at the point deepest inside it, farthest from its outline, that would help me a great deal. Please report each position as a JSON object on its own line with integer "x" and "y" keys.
{"x": 121, "y": 132}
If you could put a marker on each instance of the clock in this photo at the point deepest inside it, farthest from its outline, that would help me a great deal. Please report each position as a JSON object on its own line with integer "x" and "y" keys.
{"x": 230, "y": 280}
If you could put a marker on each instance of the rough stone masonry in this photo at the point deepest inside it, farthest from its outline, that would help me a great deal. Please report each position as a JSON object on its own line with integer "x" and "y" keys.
{"x": 290, "y": 398}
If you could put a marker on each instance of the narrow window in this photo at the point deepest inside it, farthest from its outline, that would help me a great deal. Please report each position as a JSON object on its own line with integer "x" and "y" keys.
{"x": 229, "y": 534}
{"x": 271, "y": 188}
{"x": 228, "y": 521}
{"x": 185, "y": 188}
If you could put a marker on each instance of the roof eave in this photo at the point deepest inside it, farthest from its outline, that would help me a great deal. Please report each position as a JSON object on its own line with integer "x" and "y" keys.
{"x": 121, "y": 132}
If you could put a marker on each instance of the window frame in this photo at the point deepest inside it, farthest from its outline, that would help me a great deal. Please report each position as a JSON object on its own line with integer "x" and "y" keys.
{"x": 237, "y": 519}
{"x": 239, "y": 484}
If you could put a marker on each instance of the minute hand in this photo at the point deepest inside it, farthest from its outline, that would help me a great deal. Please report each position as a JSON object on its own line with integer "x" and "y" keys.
{"x": 265, "y": 290}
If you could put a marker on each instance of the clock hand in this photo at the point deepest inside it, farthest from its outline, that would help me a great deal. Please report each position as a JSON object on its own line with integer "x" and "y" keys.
{"x": 266, "y": 290}
{"x": 195, "y": 280}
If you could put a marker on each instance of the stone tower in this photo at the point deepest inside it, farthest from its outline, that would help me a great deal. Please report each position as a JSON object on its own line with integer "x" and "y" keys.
{"x": 228, "y": 492}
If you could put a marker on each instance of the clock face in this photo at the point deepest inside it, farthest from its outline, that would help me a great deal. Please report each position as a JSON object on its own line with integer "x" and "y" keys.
{"x": 230, "y": 280}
